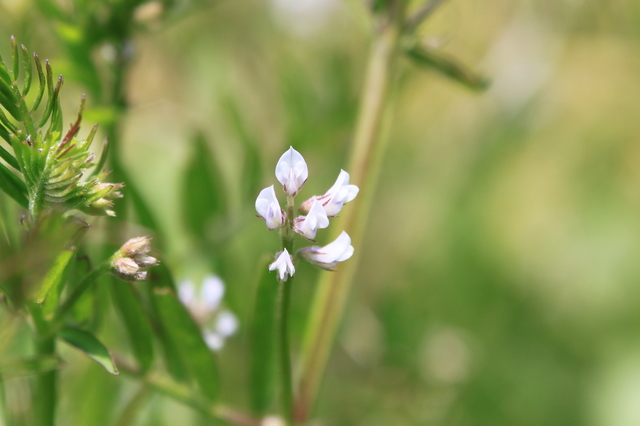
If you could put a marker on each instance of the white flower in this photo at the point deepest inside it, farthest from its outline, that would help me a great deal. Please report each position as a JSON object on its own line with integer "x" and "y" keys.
{"x": 207, "y": 301}
{"x": 226, "y": 325}
{"x": 340, "y": 193}
{"x": 314, "y": 220}
{"x": 214, "y": 341}
{"x": 327, "y": 257}
{"x": 292, "y": 171}
{"x": 284, "y": 265}
{"x": 211, "y": 292}
{"x": 269, "y": 209}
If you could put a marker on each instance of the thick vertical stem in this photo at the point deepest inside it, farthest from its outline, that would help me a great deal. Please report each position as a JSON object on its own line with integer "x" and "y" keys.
{"x": 44, "y": 397}
{"x": 367, "y": 151}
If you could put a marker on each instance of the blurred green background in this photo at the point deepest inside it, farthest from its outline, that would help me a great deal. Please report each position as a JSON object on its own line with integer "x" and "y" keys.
{"x": 498, "y": 283}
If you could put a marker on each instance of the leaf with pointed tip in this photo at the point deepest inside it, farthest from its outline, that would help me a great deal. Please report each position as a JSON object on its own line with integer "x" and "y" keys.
{"x": 91, "y": 346}
{"x": 447, "y": 66}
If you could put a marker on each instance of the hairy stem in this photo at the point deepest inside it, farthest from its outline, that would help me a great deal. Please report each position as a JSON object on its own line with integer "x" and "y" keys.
{"x": 365, "y": 158}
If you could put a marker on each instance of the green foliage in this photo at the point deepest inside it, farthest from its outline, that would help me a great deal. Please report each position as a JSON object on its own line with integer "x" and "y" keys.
{"x": 52, "y": 166}
{"x": 262, "y": 366}
{"x": 447, "y": 66}
{"x": 90, "y": 346}
{"x": 53, "y": 282}
{"x": 29, "y": 366}
{"x": 128, "y": 303}
{"x": 187, "y": 339}
{"x": 203, "y": 192}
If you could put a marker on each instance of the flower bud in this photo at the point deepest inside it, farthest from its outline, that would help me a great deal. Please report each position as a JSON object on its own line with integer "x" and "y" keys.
{"x": 136, "y": 245}
{"x": 269, "y": 209}
{"x": 314, "y": 220}
{"x": 292, "y": 171}
{"x": 127, "y": 263}
{"x": 284, "y": 265}
{"x": 327, "y": 257}
{"x": 126, "y": 266}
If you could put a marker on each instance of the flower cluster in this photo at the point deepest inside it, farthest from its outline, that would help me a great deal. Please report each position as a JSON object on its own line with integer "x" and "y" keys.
{"x": 218, "y": 324}
{"x": 292, "y": 173}
{"x": 129, "y": 261}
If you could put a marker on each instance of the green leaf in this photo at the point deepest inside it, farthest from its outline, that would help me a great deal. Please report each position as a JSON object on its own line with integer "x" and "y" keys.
{"x": 13, "y": 186}
{"x": 15, "y": 56}
{"x": 252, "y": 167}
{"x": 145, "y": 216}
{"x": 4, "y": 73}
{"x": 447, "y": 66}
{"x": 202, "y": 193}
{"x": 54, "y": 280}
{"x": 263, "y": 361}
{"x": 9, "y": 102}
{"x": 129, "y": 305}
{"x": 29, "y": 365}
{"x": 188, "y": 338}
{"x": 160, "y": 277}
{"x": 28, "y": 69}
{"x": 5, "y": 155}
{"x": 91, "y": 346}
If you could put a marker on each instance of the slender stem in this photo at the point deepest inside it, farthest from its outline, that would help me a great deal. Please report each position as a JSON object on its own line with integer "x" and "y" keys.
{"x": 422, "y": 14}
{"x": 284, "y": 301}
{"x": 44, "y": 398}
{"x": 366, "y": 154}
{"x": 284, "y": 298}
{"x": 131, "y": 410}
{"x": 185, "y": 395}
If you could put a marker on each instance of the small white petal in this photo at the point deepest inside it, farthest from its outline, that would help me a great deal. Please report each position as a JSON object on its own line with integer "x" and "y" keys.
{"x": 211, "y": 292}
{"x": 339, "y": 194}
{"x": 214, "y": 341}
{"x": 308, "y": 225}
{"x": 327, "y": 257}
{"x": 284, "y": 265}
{"x": 186, "y": 292}
{"x": 226, "y": 324}
{"x": 269, "y": 209}
{"x": 292, "y": 171}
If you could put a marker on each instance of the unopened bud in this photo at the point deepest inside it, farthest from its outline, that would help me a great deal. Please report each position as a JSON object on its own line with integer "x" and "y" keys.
{"x": 127, "y": 263}
{"x": 136, "y": 245}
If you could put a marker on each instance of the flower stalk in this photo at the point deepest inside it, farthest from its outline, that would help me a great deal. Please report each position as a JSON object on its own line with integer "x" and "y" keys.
{"x": 292, "y": 172}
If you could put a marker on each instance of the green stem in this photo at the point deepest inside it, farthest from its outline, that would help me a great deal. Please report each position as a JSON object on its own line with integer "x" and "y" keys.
{"x": 131, "y": 410}
{"x": 284, "y": 301}
{"x": 185, "y": 395}
{"x": 284, "y": 298}
{"x": 44, "y": 397}
{"x": 365, "y": 159}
